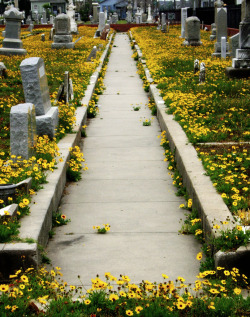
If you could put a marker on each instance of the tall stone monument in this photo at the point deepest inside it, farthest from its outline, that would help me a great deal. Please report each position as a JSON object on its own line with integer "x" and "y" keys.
{"x": 163, "y": 22}
{"x": 62, "y": 37}
{"x": 183, "y": 21}
{"x": 71, "y": 14}
{"x": 36, "y": 91}
{"x": 150, "y": 18}
{"x": 192, "y": 32}
{"x": 217, "y": 4}
{"x": 241, "y": 63}
{"x": 23, "y": 130}
{"x": 129, "y": 16}
{"x": 221, "y": 31}
{"x": 12, "y": 44}
{"x": 95, "y": 12}
{"x": 101, "y": 24}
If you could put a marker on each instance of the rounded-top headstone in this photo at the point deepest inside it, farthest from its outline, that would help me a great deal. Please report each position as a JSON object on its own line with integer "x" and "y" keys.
{"x": 192, "y": 29}
{"x": 62, "y": 24}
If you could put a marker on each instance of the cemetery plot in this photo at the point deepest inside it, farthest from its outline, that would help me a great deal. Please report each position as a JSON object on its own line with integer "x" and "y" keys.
{"x": 12, "y": 100}
{"x": 216, "y": 110}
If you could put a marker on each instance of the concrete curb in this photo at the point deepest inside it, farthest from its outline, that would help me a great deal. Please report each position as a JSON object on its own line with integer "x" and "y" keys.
{"x": 209, "y": 204}
{"x": 38, "y": 223}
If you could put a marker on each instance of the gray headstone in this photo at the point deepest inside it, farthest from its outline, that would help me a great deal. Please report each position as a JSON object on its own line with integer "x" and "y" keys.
{"x": 95, "y": 13}
{"x": 92, "y": 54}
{"x": 12, "y": 44}
{"x": 144, "y": 17}
{"x": 43, "y": 37}
{"x": 22, "y": 130}
{"x": 66, "y": 86}
{"x": 183, "y": 21}
{"x": 192, "y": 31}
{"x": 35, "y": 85}
{"x": 221, "y": 31}
{"x": 62, "y": 37}
{"x": 163, "y": 22}
{"x": 202, "y": 75}
{"x": 233, "y": 44}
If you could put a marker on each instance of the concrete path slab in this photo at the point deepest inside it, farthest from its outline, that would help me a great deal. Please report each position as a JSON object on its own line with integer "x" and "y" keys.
{"x": 129, "y": 187}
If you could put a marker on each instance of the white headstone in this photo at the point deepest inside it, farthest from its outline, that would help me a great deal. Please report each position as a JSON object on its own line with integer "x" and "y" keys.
{"x": 223, "y": 47}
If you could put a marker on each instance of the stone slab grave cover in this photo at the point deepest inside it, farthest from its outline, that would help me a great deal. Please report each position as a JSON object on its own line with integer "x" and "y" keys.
{"x": 62, "y": 37}
{"x": 192, "y": 31}
{"x": 23, "y": 130}
{"x": 36, "y": 91}
{"x": 221, "y": 31}
{"x": 241, "y": 63}
{"x": 12, "y": 44}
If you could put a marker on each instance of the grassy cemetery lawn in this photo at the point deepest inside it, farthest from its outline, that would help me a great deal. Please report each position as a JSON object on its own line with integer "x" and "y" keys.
{"x": 215, "y": 111}
{"x": 56, "y": 63}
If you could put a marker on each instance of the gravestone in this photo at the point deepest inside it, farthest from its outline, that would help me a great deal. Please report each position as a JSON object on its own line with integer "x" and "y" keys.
{"x": 95, "y": 12}
{"x": 44, "y": 17}
{"x": 3, "y": 70}
{"x": 158, "y": 24}
{"x": 51, "y": 34}
{"x": 192, "y": 32}
{"x": 23, "y": 130}
{"x": 101, "y": 25}
{"x": 129, "y": 16}
{"x": 217, "y": 4}
{"x": 221, "y": 31}
{"x": 241, "y": 63}
{"x": 138, "y": 18}
{"x": 114, "y": 18}
{"x": 66, "y": 86}
{"x": 36, "y": 91}
{"x": 51, "y": 19}
{"x": 163, "y": 22}
{"x": 196, "y": 66}
{"x": 105, "y": 13}
{"x": 202, "y": 75}
{"x": 105, "y": 32}
{"x": 223, "y": 47}
{"x": 62, "y": 37}
{"x": 234, "y": 44}
{"x": 12, "y": 44}
{"x": 71, "y": 14}
{"x": 43, "y": 37}
{"x": 92, "y": 54}
{"x": 183, "y": 21}
{"x": 144, "y": 17}
{"x": 164, "y": 28}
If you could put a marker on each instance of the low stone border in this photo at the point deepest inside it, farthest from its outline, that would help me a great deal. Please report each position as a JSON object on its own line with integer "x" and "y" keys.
{"x": 209, "y": 204}
{"x": 38, "y": 223}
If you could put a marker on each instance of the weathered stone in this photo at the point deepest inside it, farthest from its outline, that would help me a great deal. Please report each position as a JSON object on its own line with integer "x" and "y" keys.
{"x": 35, "y": 84}
{"x": 163, "y": 21}
{"x": 92, "y": 54}
{"x": 192, "y": 31}
{"x": 9, "y": 211}
{"x": 71, "y": 14}
{"x": 62, "y": 37}
{"x": 95, "y": 14}
{"x": 43, "y": 37}
{"x": 202, "y": 75}
{"x": 23, "y": 130}
{"x": 221, "y": 31}
{"x": 233, "y": 44}
{"x": 12, "y": 44}
{"x": 101, "y": 25}
{"x": 183, "y": 21}
{"x": 47, "y": 124}
{"x": 3, "y": 69}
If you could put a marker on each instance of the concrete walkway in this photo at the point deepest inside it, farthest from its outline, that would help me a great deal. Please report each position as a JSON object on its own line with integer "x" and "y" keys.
{"x": 128, "y": 186}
